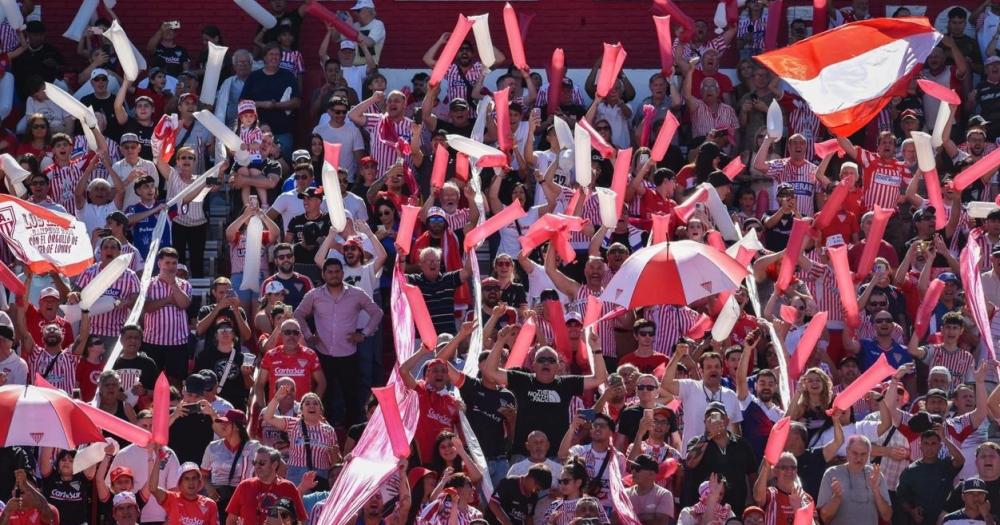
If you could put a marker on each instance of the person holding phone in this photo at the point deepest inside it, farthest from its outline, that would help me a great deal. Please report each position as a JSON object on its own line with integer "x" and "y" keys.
{"x": 719, "y": 451}
{"x": 596, "y": 455}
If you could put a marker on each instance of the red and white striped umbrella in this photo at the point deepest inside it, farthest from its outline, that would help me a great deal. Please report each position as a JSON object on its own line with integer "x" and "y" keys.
{"x": 678, "y": 272}
{"x": 43, "y": 417}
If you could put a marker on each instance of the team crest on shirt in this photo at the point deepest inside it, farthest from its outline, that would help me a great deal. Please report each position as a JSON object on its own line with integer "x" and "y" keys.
{"x": 303, "y": 362}
{"x": 202, "y": 507}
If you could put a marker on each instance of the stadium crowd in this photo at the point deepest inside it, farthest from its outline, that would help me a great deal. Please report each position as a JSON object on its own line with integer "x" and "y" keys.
{"x": 271, "y": 385}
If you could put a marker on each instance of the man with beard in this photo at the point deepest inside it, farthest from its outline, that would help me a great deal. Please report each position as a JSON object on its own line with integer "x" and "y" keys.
{"x": 135, "y": 368}
{"x": 720, "y": 451}
{"x": 595, "y": 454}
{"x": 760, "y": 412}
{"x": 296, "y": 285}
{"x": 459, "y": 120}
{"x": 373, "y": 513}
{"x": 491, "y": 299}
{"x": 868, "y": 350}
{"x": 544, "y": 395}
{"x": 253, "y": 496}
{"x": 53, "y": 361}
{"x": 438, "y": 408}
{"x": 464, "y": 73}
{"x": 697, "y": 394}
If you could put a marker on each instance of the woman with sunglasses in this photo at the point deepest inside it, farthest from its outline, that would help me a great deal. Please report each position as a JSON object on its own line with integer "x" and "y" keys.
{"x": 313, "y": 442}
{"x": 190, "y": 226}
{"x": 571, "y": 494}
{"x": 454, "y": 504}
{"x": 111, "y": 398}
{"x": 227, "y": 358}
{"x": 632, "y": 419}
{"x": 511, "y": 291}
{"x": 813, "y": 396}
{"x": 35, "y": 140}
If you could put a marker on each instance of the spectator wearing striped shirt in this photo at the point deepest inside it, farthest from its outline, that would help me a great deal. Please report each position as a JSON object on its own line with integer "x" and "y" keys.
{"x": 165, "y": 320}
{"x": 48, "y": 357}
{"x": 123, "y": 292}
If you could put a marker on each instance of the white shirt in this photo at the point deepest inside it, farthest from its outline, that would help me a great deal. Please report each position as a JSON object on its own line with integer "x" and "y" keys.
{"x": 619, "y": 124}
{"x": 16, "y": 369}
{"x": 349, "y": 138}
{"x": 137, "y": 459}
{"x": 94, "y": 216}
{"x": 521, "y": 469}
{"x": 695, "y": 398}
{"x": 355, "y": 76}
{"x": 539, "y": 281}
{"x": 122, "y": 168}
{"x": 288, "y": 205}
{"x": 510, "y": 237}
{"x": 355, "y": 205}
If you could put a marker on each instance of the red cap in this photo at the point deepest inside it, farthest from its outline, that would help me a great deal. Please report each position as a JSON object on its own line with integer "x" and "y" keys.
{"x": 368, "y": 160}
{"x": 418, "y": 473}
{"x": 118, "y": 472}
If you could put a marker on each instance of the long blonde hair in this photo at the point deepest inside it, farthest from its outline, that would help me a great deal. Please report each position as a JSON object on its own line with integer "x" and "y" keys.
{"x": 825, "y": 395}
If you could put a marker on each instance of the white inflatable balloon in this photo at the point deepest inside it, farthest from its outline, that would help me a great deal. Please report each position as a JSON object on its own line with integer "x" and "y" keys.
{"x": 103, "y": 305}
{"x": 81, "y": 20}
{"x": 71, "y": 105}
{"x": 258, "y": 13}
{"x": 222, "y": 132}
{"x": 473, "y": 149}
{"x": 482, "y": 112}
{"x": 484, "y": 43}
{"x": 16, "y": 175}
{"x": 925, "y": 152}
{"x": 608, "y": 207}
{"x": 775, "y": 124}
{"x": 213, "y": 68}
{"x": 720, "y": 18}
{"x": 727, "y": 320}
{"x": 12, "y": 13}
{"x": 563, "y": 133}
{"x": 943, "y": 116}
{"x": 583, "y": 170}
{"x": 334, "y": 199}
{"x": 95, "y": 289}
{"x": 251, "y": 265}
{"x": 124, "y": 50}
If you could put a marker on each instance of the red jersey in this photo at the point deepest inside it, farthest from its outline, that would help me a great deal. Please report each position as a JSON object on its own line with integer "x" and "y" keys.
{"x": 438, "y": 411}
{"x": 36, "y": 322}
{"x": 883, "y": 180}
{"x": 845, "y": 224}
{"x": 32, "y": 517}
{"x": 652, "y": 203}
{"x": 646, "y": 365}
{"x": 298, "y": 366}
{"x": 86, "y": 378}
{"x": 183, "y": 511}
{"x": 253, "y": 497}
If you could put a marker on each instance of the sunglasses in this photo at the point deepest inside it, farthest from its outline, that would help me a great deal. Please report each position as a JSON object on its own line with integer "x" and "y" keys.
{"x": 617, "y": 250}
{"x": 883, "y": 320}
{"x": 433, "y": 220}
{"x": 338, "y": 111}
{"x": 647, "y": 333}
{"x": 39, "y": 126}
{"x": 130, "y": 145}
{"x": 291, "y": 332}
{"x": 648, "y": 388}
{"x": 261, "y": 463}
{"x": 597, "y": 424}
{"x": 660, "y": 422}
{"x": 785, "y": 467}
{"x": 602, "y": 128}
{"x": 545, "y": 360}
{"x": 800, "y": 307}
{"x": 504, "y": 263}
{"x": 491, "y": 288}
{"x": 38, "y": 183}
{"x": 221, "y": 329}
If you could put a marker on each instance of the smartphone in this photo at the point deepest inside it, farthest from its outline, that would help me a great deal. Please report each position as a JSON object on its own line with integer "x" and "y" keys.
{"x": 644, "y": 158}
{"x": 587, "y": 414}
{"x": 192, "y": 408}
{"x": 254, "y": 202}
{"x": 212, "y": 181}
{"x": 103, "y": 232}
{"x": 418, "y": 115}
{"x": 536, "y": 112}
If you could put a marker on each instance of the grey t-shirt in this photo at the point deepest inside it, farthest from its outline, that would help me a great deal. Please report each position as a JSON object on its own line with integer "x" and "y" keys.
{"x": 858, "y": 502}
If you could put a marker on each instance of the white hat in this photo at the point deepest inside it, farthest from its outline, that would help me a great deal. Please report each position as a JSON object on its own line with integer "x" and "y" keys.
{"x": 275, "y": 287}
{"x": 124, "y": 498}
{"x": 347, "y": 44}
{"x": 361, "y": 4}
{"x": 49, "y": 291}
{"x": 99, "y": 72}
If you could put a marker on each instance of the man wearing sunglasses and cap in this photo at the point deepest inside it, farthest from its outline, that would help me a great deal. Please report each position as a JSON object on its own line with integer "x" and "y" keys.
{"x": 653, "y": 504}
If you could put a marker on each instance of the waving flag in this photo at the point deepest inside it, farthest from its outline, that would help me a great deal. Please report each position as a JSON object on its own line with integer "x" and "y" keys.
{"x": 43, "y": 239}
{"x": 848, "y": 74}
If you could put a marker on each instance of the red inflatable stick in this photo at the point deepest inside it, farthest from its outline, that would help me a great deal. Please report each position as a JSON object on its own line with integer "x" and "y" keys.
{"x": 820, "y": 21}
{"x": 161, "y": 410}
{"x": 421, "y": 317}
{"x": 522, "y": 345}
{"x": 10, "y": 281}
{"x": 555, "y": 74}
{"x": 440, "y": 169}
{"x": 776, "y": 441}
{"x": 515, "y": 39}
{"x": 611, "y": 66}
{"x": 792, "y": 251}
{"x": 733, "y": 168}
{"x": 862, "y": 385}
{"x": 407, "y": 221}
{"x": 331, "y": 20}
{"x": 619, "y": 181}
{"x": 665, "y": 43}
{"x": 501, "y": 104}
{"x": 389, "y": 407}
{"x": 557, "y": 318}
{"x": 834, "y": 204}
{"x": 596, "y": 140}
{"x": 873, "y": 241}
{"x": 926, "y": 307}
{"x": 447, "y": 56}
{"x": 679, "y": 17}
{"x": 797, "y": 363}
{"x": 942, "y": 93}
{"x": 775, "y": 17}
{"x": 933, "y": 185}
{"x": 664, "y": 136}
{"x": 845, "y": 285}
{"x": 494, "y": 224}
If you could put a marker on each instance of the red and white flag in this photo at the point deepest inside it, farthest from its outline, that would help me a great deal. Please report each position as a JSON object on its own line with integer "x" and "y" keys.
{"x": 43, "y": 239}
{"x": 848, "y": 74}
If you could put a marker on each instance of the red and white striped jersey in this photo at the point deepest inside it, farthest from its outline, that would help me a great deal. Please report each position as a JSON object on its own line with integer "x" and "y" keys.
{"x": 252, "y": 136}
{"x": 292, "y": 61}
{"x": 802, "y": 177}
{"x": 591, "y": 211}
{"x": 438, "y": 512}
{"x": 384, "y": 153}
{"x": 62, "y": 374}
{"x": 801, "y": 120}
{"x": 9, "y": 40}
{"x": 167, "y": 326}
{"x": 322, "y": 438}
{"x": 672, "y": 322}
{"x": 704, "y": 120}
{"x": 542, "y": 100}
{"x": 63, "y": 180}
{"x": 823, "y": 287}
{"x": 111, "y": 323}
{"x": 458, "y": 219}
{"x": 884, "y": 180}
{"x": 959, "y": 362}
{"x": 605, "y": 329}
{"x": 459, "y": 88}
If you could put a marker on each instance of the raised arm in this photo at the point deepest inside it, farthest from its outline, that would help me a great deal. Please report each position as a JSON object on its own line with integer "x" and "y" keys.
{"x": 669, "y": 383}
{"x": 563, "y": 283}
{"x": 120, "y": 114}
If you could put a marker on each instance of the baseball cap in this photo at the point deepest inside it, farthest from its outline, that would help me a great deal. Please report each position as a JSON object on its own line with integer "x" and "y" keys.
{"x": 909, "y": 113}
{"x": 948, "y": 277}
{"x": 368, "y": 160}
{"x": 147, "y": 98}
{"x": 284, "y": 504}
{"x": 645, "y": 462}
{"x": 124, "y": 498}
{"x": 98, "y": 72}
{"x": 568, "y": 82}
{"x": 975, "y": 484}
{"x": 246, "y": 106}
{"x": 275, "y": 287}
{"x": 6, "y": 332}
{"x": 118, "y": 472}
{"x": 749, "y": 511}
{"x": 436, "y": 212}
{"x": 188, "y": 466}
{"x": 196, "y": 384}
{"x": 187, "y": 95}
{"x": 937, "y": 392}
{"x": 418, "y": 473}
{"x": 354, "y": 241}
{"x": 234, "y": 416}
{"x": 300, "y": 154}
{"x": 992, "y": 60}
{"x": 784, "y": 187}
{"x": 923, "y": 213}
{"x": 129, "y": 137}
{"x": 314, "y": 192}
{"x": 153, "y": 71}
{"x": 458, "y": 103}
{"x": 574, "y": 316}
{"x": 361, "y": 4}
{"x": 977, "y": 121}
{"x": 490, "y": 281}
{"x": 715, "y": 406}
{"x": 49, "y": 292}
{"x": 347, "y": 44}
{"x": 210, "y": 376}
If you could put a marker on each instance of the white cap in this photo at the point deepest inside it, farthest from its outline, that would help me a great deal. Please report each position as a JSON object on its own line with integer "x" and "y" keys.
{"x": 124, "y": 498}
{"x": 99, "y": 72}
{"x": 49, "y": 291}
{"x": 274, "y": 287}
{"x": 361, "y": 4}
{"x": 347, "y": 44}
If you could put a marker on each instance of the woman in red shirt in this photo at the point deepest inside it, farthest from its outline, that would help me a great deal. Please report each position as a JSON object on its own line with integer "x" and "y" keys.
{"x": 36, "y": 137}
{"x": 660, "y": 199}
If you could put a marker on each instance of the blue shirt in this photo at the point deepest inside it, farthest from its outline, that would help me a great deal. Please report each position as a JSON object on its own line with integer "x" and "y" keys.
{"x": 870, "y": 351}
{"x": 142, "y": 231}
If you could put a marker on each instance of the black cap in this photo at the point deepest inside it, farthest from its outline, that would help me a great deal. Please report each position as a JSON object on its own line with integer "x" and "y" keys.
{"x": 715, "y": 406}
{"x": 645, "y": 462}
{"x": 314, "y": 192}
{"x": 196, "y": 384}
{"x": 784, "y": 187}
{"x": 977, "y": 121}
{"x": 974, "y": 485}
{"x": 6, "y": 332}
{"x": 937, "y": 392}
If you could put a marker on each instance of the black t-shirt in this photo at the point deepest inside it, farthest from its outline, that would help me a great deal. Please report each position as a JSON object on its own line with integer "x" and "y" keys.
{"x": 812, "y": 466}
{"x": 514, "y": 295}
{"x": 226, "y": 313}
{"x": 628, "y": 422}
{"x": 45, "y": 62}
{"x": 306, "y": 234}
{"x": 542, "y": 407}
{"x": 71, "y": 498}
{"x": 735, "y": 464}
{"x": 142, "y": 365}
{"x": 356, "y": 430}
{"x": 189, "y": 435}
{"x": 261, "y": 86}
{"x": 482, "y": 408}
{"x": 11, "y": 459}
{"x": 102, "y": 105}
{"x": 233, "y": 389}
{"x": 776, "y": 238}
{"x": 171, "y": 59}
{"x": 518, "y": 506}
{"x": 439, "y": 296}
{"x": 452, "y": 129}
{"x": 145, "y": 134}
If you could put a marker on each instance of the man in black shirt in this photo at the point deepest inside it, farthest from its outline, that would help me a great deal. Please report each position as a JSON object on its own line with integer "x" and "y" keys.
{"x": 720, "y": 452}
{"x": 191, "y": 422}
{"x": 40, "y": 59}
{"x": 307, "y": 231}
{"x": 514, "y": 498}
{"x": 543, "y": 396}
{"x": 439, "y": 288}
{"x": 491, "y": 410}
{"x": 135, "y": 368}
{"x": 101, "y": 99}
{"x": 459, "y": 121}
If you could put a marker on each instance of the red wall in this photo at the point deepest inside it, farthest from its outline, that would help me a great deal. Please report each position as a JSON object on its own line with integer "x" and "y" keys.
{"x": 578, "y": 26}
